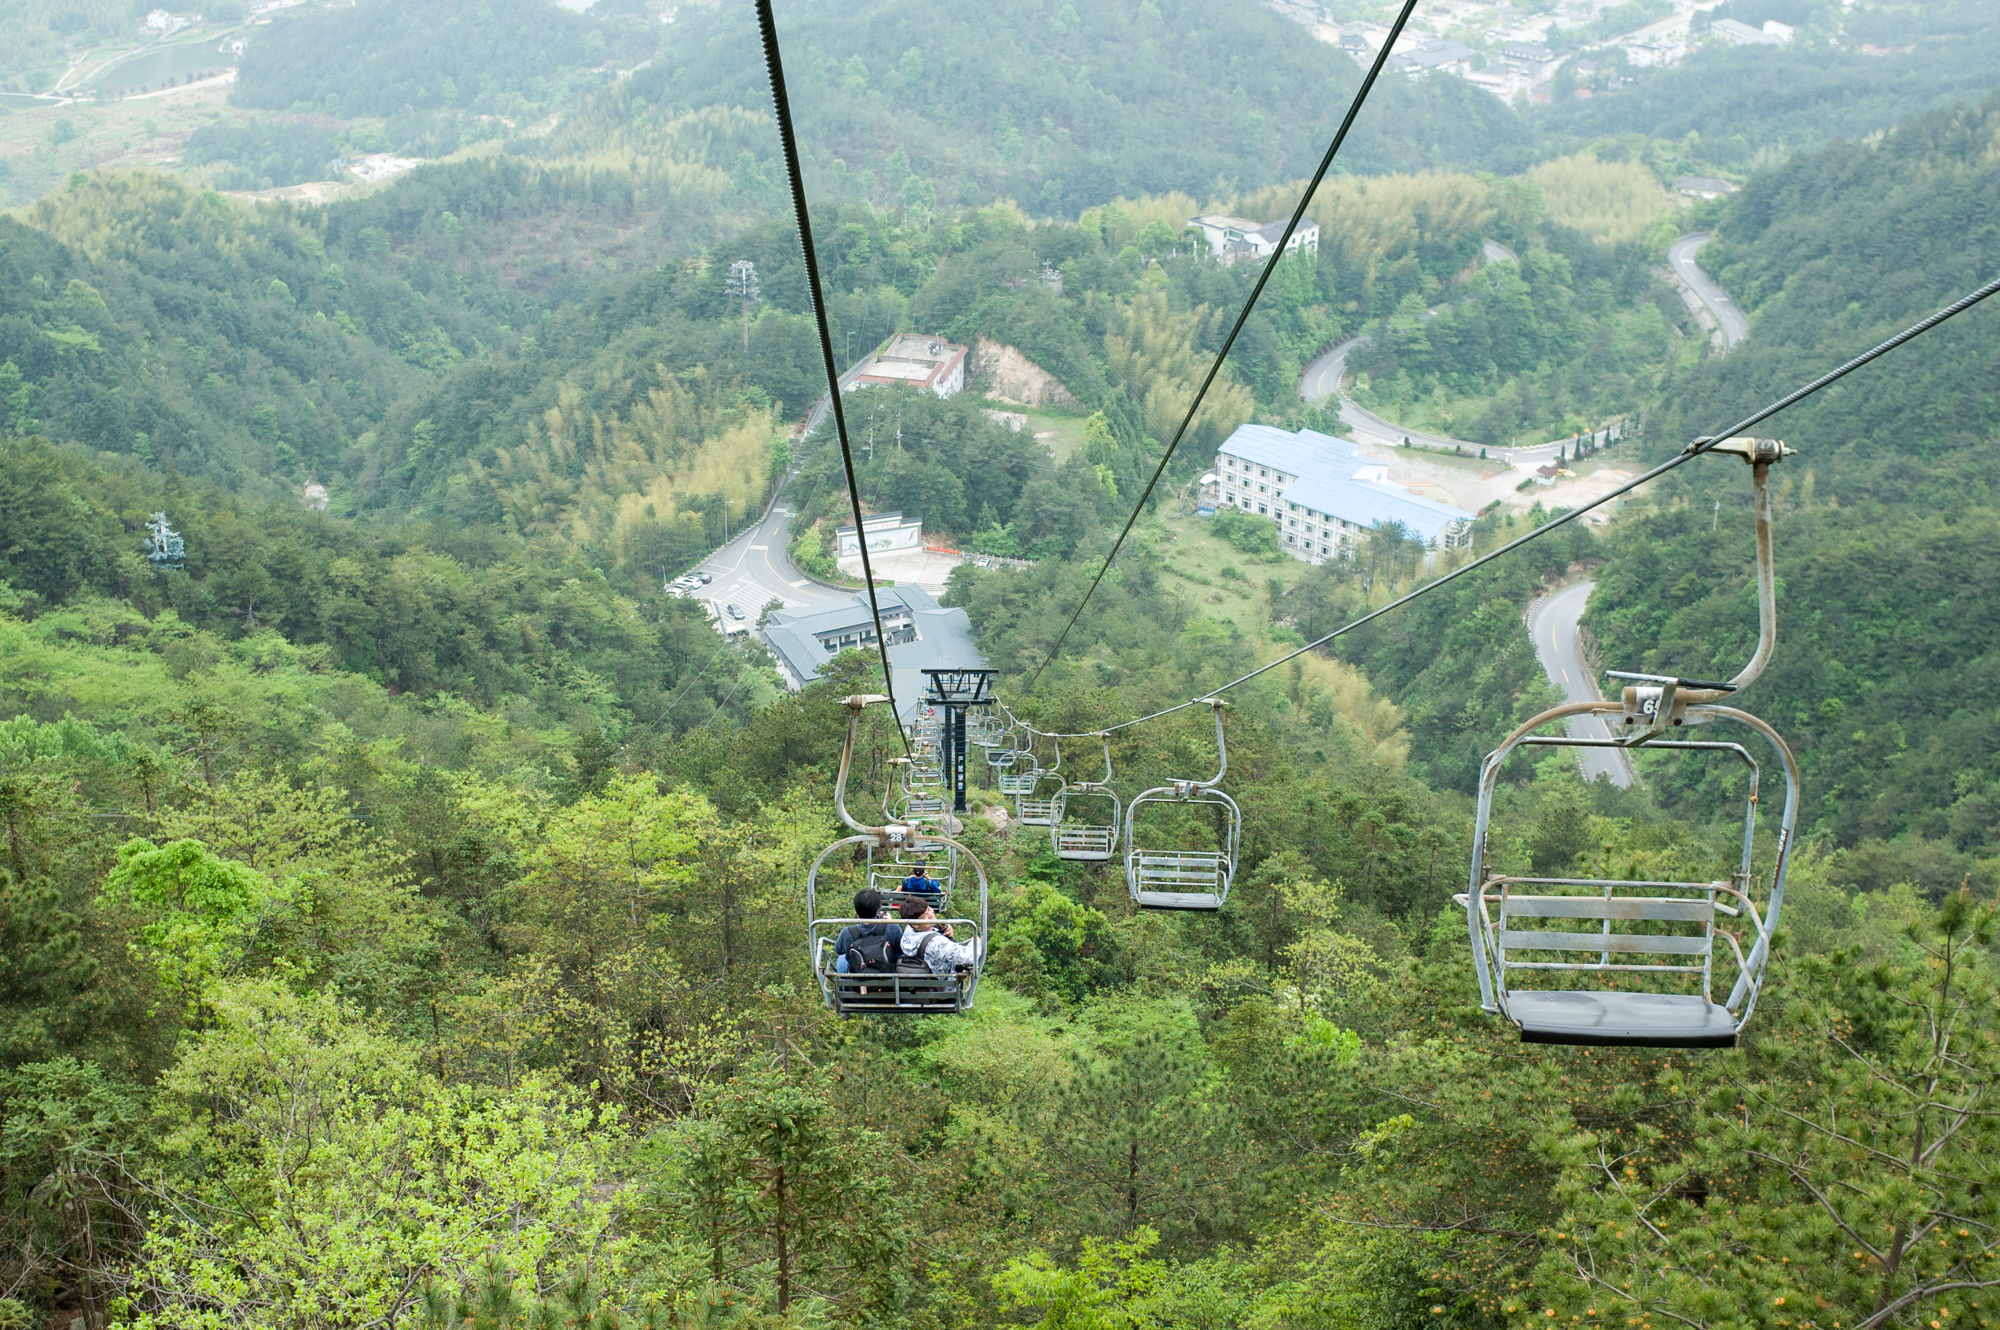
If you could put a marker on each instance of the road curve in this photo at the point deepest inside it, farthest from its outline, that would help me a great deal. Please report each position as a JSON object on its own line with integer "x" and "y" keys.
{"x": 1552, "y": 626}
{"x": 1728, "y": 318}
{"x": 1322, "y": 378}
{"x": 756, "y": 568}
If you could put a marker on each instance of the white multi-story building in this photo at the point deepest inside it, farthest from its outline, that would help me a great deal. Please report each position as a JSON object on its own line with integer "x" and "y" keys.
{"x": 1231, "y": 238}
{"x": 1322, "y": 493}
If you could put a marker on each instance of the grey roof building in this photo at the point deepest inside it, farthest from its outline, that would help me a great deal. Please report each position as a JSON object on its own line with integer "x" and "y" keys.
{"x": 1323, "y": 494}
{"x": 922, "y": 634}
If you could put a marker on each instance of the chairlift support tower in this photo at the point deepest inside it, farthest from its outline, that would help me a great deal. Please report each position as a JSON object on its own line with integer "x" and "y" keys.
{"x": 955, "y": 691}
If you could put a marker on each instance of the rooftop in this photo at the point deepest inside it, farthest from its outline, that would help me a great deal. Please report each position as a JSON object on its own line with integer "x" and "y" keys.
{"x": 1334, "y": 479}
{"x": 938, "y": 638}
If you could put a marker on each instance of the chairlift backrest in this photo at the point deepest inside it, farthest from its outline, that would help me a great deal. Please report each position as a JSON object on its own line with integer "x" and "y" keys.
{"x": 1162, "y": 875}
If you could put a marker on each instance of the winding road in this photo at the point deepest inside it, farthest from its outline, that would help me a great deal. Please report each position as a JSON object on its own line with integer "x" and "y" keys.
{"x": 1552, "y": 627}
{"x": 755, "y": 569}
{"x": 1555, "y": 620}
{"x": 1729, "y": 320}
{"x": 1322, "y": 378}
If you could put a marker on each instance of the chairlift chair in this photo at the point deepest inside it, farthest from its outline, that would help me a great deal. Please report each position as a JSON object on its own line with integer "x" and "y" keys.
{"x": 1036, "y": 805}
{"x": 887, "y": 993}
{"x": 1643, "y": 968}
{"x": 1176, "y": 878}
{"x": 1072, "y": 832}
{"x": 1018, "y": 776}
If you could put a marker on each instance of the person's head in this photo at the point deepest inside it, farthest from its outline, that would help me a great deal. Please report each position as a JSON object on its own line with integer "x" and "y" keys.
{"x": 912, "y": 911}
{"x": 867, "y": 903}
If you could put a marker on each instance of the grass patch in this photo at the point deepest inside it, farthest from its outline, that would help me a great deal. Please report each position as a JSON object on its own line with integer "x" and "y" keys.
{"x": 1067, "y": 431}
{"x": 1220, "y": 580}
{"x": 147, "y": 131}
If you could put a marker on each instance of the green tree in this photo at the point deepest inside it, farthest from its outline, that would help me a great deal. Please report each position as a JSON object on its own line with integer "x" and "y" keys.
{"x": 68, "y": 1196}
{"x": 197, "y": 909}
{"x": 321, "y": 1179}
{"x": 776, "y": 1184}
{"x": 1843, "y": 1170}
{"x": 1136, "y": 1130}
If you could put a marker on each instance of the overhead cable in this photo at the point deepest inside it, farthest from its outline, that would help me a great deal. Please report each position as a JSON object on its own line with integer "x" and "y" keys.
{"x": 1270, "y": 266}
{"x": 1693, "y": 450}
{"x": 781, "y": 103}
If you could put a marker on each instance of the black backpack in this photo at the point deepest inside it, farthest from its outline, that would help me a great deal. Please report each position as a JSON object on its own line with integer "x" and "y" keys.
{"x": 873, "y": 950}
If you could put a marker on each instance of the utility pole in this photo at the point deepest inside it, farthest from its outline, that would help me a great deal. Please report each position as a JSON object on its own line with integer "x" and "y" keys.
{"x": 742, "y": 286}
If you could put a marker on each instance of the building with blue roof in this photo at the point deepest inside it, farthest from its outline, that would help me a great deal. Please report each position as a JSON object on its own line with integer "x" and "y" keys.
{"x": 1323, "y": 493}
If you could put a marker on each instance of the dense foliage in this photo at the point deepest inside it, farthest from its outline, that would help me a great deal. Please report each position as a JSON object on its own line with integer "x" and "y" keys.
{"x": 1060, "y": 106}
{"x": 1887, "y": 609}
{"x": 400, "y": 904}
{"x": 1851, "y": 71}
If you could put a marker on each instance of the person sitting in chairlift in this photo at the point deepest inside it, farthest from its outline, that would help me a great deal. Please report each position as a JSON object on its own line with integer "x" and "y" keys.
{"x": 857, "y": 938}
{"x": 921, "y": 883}
{"x": 931, "y": 944}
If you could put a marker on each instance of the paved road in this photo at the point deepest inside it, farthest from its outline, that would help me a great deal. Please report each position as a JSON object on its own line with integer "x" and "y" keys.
{"x": 1322, "y": 380}
{"x": 754, "y": 569}
{"x": 1552, "y": 626}
{"x": 1680, "y": 255}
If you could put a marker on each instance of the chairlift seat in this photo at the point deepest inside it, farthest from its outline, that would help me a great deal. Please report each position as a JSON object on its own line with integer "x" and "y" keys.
{"x": 1034, "y": 812}
{"x": 1645, "y": 1020}
{"x": 1643, "y": 937}
{"x": 896, "y": 993}
{"x": 1018, "y": 783}
{"x": 1081, "y": 841}
{"x": 1178, "y": 879}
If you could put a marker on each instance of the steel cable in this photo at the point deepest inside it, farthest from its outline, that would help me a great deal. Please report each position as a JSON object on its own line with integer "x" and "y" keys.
{"x": 781, "y": 104}
{"x": 1270, "y": 266}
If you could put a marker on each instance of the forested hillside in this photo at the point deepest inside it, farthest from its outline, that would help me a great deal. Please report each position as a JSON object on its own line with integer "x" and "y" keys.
{"x": 1056, "y": 106}
{"x": 402, "y": 903}
{"x": 1852, "y": 70}
{"x": 1889, "y": 511}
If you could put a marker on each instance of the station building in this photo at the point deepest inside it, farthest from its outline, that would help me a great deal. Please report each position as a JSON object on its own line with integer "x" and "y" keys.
{"x": 922, "y": 634}
{"x": 1322, "y": 493}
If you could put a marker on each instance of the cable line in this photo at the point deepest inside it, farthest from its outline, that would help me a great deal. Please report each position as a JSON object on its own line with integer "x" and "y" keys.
{"x": 1270, "y": 266}
{"x": 768, "y": 27}
{"x": 1694, "y": 449}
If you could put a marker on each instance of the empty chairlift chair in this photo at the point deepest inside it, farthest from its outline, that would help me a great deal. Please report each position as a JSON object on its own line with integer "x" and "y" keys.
{"x": 1018, "y": 775}
{"x": 1580, "y": 960}
{"x": 838, "y": 870}
{"x": 1164, "y": 876}
{"x": 1084, "y": 824}
{"x": 1036, "y": 806}
{"x": 921, "y": 795}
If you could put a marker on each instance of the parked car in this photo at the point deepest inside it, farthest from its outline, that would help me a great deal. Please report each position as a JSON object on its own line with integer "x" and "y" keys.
{"x": 702, "y": 579}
